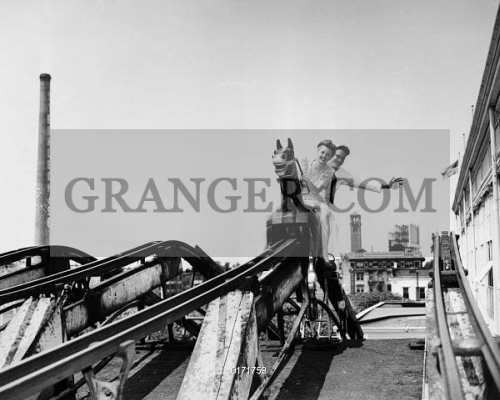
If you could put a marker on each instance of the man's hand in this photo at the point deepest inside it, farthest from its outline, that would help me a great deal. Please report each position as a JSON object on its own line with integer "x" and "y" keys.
{"x": 397, "y": 182}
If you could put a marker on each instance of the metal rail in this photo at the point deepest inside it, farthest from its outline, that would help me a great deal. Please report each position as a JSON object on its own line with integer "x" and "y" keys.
{"x": 489, "y": 347}
{"x": 446, "y": 356}
{"x": 95, "y": 267}
{"x": 52, "y": 251}
{"x": 449, "y": 272}
{"x": 7, "y": 253}
{"x": 56, "y": 281}
{"x": 31, "y": 375}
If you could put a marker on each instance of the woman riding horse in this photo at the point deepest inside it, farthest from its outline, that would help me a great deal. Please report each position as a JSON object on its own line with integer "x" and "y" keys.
{"x": 317, "y": 177}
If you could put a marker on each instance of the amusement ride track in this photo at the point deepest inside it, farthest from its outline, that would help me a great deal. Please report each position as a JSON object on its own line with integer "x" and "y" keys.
{"x": 39, "y": 371}
{"x": 466, "y": 356}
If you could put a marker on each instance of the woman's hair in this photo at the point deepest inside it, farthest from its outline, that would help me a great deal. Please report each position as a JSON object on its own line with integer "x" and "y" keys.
{"x": 329, "y": 144}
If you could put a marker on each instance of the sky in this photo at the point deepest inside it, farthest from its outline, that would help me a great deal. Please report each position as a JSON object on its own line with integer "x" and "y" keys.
{"x": 349, "y": 68}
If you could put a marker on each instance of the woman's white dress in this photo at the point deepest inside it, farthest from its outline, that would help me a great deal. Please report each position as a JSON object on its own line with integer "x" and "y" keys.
{"x": 329, "y": 229}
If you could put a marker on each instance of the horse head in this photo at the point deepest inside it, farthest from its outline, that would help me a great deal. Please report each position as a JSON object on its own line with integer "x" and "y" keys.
{"x": 292, "y": 206}
{"x": 284, "y": 160}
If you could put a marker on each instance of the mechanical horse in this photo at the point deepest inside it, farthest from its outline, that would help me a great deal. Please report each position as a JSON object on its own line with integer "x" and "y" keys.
{"x": 293, "y": 218}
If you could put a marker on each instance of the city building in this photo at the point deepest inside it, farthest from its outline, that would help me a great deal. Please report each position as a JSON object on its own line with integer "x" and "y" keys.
{"x": 476, "y": 201}
{"x": 404, "y": 237}
{"x": 355, "y": 232}
{"x": 400, "y": 272}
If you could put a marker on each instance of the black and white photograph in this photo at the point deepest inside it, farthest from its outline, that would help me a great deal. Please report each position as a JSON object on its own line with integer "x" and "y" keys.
{"x": 250, "y": 200}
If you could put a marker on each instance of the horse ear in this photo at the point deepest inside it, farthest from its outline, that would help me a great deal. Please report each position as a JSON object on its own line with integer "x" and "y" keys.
{"x": 290, "y": 144}
{"x": 278, "y": 145}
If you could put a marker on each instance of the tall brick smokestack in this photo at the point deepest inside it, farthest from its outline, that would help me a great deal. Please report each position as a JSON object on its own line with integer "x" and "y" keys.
{"x": 42, "y": 223}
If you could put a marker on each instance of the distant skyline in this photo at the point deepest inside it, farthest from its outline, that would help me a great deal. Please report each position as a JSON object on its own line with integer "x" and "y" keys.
{"x": 292, "y": 65}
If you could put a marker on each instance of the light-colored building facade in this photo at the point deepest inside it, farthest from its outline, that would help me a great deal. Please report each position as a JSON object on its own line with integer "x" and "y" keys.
{"x": 476, "y": 201}
{"x": 399, "y": 272}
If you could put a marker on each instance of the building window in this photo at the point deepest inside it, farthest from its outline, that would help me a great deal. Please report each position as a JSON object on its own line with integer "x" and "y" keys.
{"x": 406, "y": 294}
{"x": 490, "y": 255}
{"x": 359, "y": 276}
{"x": 389, "y": 287}
{"x": 360, "y": 288}
{"x": 420, "y": 293}
{"x": 489, "y": 295}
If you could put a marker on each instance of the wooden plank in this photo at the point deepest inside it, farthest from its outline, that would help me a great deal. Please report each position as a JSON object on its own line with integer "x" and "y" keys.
{"x": 241, "y": 357}
{"x": 281, "y": 286}
{"x": 110, "y": 297}
{"x": 228, "y": 313}
{"x": 52, "y": 333}
{"x": 49, "y": 334}
{"x": 32, "y": 330}
{"x": 10, "y": 334}
{"x": 198, "y": 382}
{"x": 22, "y": 276}
{"x": 221, "y": 366}
{"x": 116, "y": 295}
{"x": 456, "y": 300}
{"x": 34, "y": 325}
{"x": 77, "y": 318}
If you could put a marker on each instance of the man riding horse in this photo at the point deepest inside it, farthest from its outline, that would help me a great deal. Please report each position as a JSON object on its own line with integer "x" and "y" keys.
{"x": 299, "y": 216}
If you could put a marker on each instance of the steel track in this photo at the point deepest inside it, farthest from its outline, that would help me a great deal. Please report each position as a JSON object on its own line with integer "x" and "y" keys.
{"x": 449, "y": 274}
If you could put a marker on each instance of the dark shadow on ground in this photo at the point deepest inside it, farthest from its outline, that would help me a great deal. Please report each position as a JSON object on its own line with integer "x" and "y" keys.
{"x": 152, "y": 374}
{"x": 309, "y": 372}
